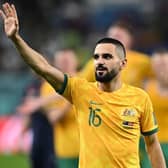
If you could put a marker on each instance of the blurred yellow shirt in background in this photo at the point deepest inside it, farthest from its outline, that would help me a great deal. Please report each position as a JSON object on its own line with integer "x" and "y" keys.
{"x": 160, "y": 104}
{"x": 66, "y": 134}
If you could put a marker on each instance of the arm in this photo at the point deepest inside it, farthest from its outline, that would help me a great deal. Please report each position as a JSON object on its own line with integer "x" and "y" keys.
{"x": 43, "y": 101}
{"x": 32, "y": 104}
{"x": 56, "y": 114}
{"x": 26, "y": 123}
{"x": 154, "y": 151}
{"x": 35, "y": 60}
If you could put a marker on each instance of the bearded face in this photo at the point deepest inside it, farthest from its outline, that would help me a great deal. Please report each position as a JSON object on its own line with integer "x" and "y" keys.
{"x": 107, "y": 61}
{"x": 103, "y": 75}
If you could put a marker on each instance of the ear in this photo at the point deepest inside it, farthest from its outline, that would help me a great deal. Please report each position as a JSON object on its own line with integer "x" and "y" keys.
{"x": 123, "y": 63}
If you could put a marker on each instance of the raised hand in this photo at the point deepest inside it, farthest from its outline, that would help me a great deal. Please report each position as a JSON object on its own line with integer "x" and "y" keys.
{"x": 11, "y": 24}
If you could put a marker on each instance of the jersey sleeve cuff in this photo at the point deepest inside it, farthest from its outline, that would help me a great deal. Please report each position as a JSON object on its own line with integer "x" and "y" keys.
{"x": 150, "y": 132}
{"x": 62, "y": 89}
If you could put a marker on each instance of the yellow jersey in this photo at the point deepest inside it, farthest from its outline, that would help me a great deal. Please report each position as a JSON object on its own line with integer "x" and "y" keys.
{"x": 88, "y": 71}
{"x": 66, "y": 134}
{"x": 137, "y": 70}
{"x": 110, "y": 123}
{"x": 160, "y": 104}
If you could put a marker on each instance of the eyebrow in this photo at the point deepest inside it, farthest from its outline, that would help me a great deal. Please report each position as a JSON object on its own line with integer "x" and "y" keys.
{"x": 103, "y": 54}
{"x": 95, "y": 54}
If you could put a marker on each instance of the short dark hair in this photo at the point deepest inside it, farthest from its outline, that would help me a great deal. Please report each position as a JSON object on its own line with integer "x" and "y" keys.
{"x": 120, "y": 49}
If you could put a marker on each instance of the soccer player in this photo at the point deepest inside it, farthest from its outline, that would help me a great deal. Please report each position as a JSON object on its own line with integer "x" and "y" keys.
{"x": 66, "y": 133}
{"x": 110, "y": 114}
{"x": 158, "y": 91}
{"x": 130, "y": 74}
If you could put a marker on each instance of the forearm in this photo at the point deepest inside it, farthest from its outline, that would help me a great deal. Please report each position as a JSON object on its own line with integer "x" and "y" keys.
{"x": 43, "y": 101}
{"x": 38, "y": 63}
{"x": 26, "y": 123}
{"x": 56, "y": 114}
{"x": 30, "y": 56}
{"x": 156, "y": 155}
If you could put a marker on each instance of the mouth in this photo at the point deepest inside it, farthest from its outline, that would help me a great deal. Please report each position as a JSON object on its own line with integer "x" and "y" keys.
{"x": 101, "y": 72}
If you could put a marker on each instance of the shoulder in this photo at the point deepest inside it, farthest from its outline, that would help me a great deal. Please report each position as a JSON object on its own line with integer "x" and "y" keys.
{"x": 136, "y": 91}
{"x": 78, "y": 83}
{"x": 139, "y": 55}
{"x": 76, "y": 79}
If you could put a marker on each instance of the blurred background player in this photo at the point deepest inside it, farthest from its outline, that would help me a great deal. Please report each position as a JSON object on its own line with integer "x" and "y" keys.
{"x": 138, "y": 67}
{"x": 66, "y": 138}
{"x": 42, "y": 148}
{"x": 158, "y": 91}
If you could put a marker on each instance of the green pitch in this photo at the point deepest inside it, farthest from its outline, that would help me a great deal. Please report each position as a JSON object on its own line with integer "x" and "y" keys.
{"x": 14, "y": 161}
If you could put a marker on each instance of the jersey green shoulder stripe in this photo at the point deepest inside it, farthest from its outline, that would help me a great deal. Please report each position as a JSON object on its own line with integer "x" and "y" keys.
{"x": 150, "y": 132}
{"x": 61, "y": 90}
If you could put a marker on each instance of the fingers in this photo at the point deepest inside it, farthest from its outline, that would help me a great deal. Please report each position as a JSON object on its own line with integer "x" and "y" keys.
{"x": 14, "y": 13}
{"x": 2, "y": 14}
{"x": 8, "y": 10}
{"x": 4, "y": 9}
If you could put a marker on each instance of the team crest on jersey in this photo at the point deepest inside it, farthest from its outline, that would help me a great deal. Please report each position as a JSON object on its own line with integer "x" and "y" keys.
{"x": 128, "y": 116}
{"x": 129, "y": 112}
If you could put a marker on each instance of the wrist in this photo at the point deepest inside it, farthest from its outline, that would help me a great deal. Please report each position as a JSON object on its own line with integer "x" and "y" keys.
{"x": 15, "y": 37}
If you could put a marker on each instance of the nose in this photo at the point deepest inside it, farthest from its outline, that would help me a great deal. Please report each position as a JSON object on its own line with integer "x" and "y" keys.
{"x": 99, "y": 61}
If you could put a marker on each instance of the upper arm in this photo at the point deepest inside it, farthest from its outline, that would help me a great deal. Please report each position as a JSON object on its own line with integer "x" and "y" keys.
{"x": 54, "y": 77}
{"x": 154, "y": 151}
{"x": 151, "y": 139}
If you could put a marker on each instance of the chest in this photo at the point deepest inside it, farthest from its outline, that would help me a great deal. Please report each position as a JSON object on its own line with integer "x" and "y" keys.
{"x": 104, "y": 111}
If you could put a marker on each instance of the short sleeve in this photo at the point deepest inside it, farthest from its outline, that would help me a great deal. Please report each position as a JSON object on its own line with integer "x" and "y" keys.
{"x": 148, "y": 121}
{"x": 67, "y": 88}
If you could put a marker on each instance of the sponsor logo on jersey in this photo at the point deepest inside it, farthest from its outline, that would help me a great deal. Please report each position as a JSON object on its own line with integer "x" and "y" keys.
{"x": 94, "y": 102}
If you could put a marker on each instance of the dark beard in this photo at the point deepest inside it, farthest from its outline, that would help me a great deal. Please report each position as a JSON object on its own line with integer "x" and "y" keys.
{"x": 109, "y": 76}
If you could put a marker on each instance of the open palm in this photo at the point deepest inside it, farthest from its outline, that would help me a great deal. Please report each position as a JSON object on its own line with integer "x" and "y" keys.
{"x": 10, "y": 19}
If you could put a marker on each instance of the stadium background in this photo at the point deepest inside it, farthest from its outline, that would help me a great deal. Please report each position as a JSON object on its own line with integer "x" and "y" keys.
{"x": 52, "y": 24}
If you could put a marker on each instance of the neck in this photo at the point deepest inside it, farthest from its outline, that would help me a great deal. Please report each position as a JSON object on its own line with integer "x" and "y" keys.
{"x": 111, "y": 86}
